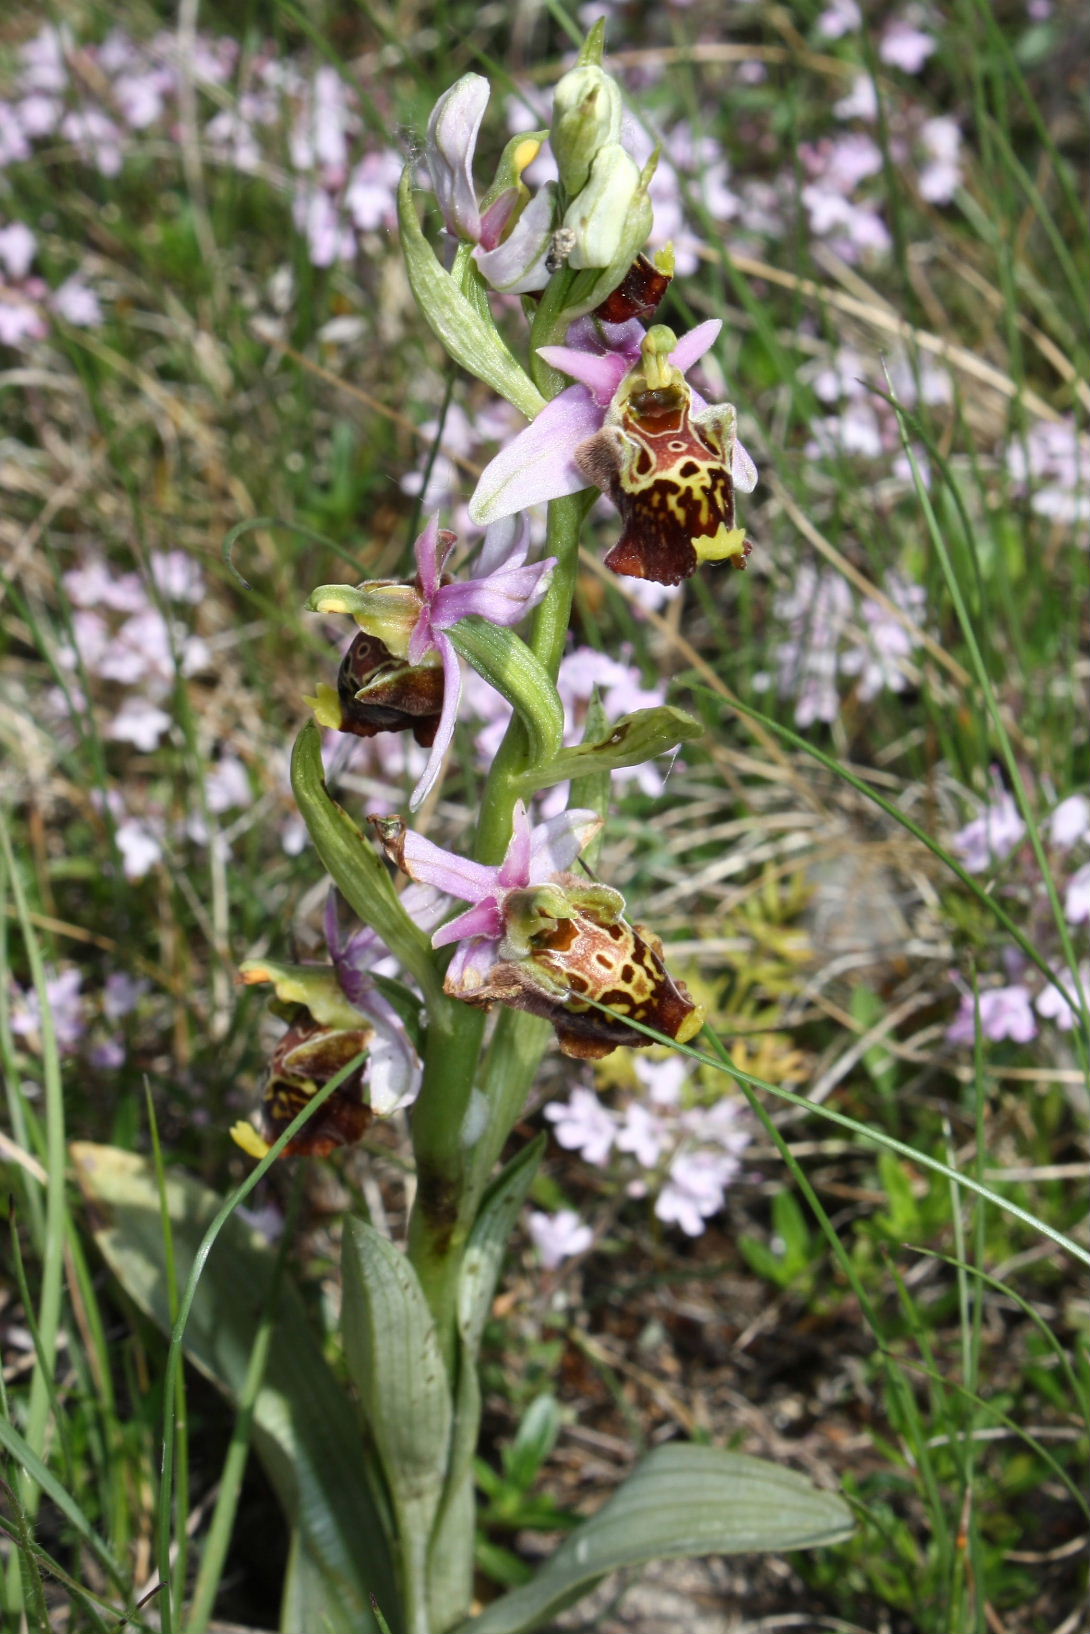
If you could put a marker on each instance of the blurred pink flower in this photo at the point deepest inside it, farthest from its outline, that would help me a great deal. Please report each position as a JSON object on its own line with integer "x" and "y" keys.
{"x": 1070, "y": 822}
{"x": 1005, "y": 1012}
{"x": 991, "y": 836}
{"x": 583, "y": 1125}
{"x": 1077, "y": 897}
{"x": 558, "y": 1236}
{"x": 905, "y": 46}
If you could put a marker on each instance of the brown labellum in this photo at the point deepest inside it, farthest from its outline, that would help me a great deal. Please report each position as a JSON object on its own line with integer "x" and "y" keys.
{"x": 305, "y": 1059}
{"x": 381, "y": 693}
{"x": 590, "y": 953}
{"x": 638, "y": 295}
{"x": 668, "y": 473}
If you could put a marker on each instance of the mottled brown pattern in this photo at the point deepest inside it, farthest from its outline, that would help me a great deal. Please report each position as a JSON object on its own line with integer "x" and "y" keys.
{"x": 381, "y": 693}
{"x": 673, "y": 490}
{"x": 586, "y": 957}
{"x": 638, "y": 295}
{"x": 307, "y": 1057}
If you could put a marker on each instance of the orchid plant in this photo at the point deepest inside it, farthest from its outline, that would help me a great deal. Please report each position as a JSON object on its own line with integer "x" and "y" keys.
{"x": 543, "y": 950}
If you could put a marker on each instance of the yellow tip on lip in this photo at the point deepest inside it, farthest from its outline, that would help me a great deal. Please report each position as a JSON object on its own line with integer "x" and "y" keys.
{"x": 245, "y": 1135}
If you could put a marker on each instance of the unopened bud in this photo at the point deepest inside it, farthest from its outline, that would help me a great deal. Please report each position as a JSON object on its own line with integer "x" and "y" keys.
{"x": 452, "y": 140}
{"x": 586, "y": 117}
{"x": 602, "y": 217}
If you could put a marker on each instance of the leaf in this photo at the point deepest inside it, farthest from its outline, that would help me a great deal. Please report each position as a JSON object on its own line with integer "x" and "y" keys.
{"x": 628, "y": 742}
{"x": 451, "y": 1554}
{"x": 355, "y": 866}
{"x": 470, "y": 339}
{"x": 507, "y": 663}
{"x": 306, "y": 1431}
{"x": 488, "y": 1241}
{"x": 394, "y": 1360}
{"x": 680, "y": 1501}
{"x": 592, "y": 787}
{"x": 534, "y": 1441}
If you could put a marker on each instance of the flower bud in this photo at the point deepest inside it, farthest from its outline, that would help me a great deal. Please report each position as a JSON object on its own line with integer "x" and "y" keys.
{"x": 586, "y": 116}
{"x": 325, "y": 1033}
{"x": 451, "y": 142}
{"x": 611, "y": 211}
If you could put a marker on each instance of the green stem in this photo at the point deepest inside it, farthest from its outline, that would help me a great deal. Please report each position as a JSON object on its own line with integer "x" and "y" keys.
{"x": 449, "y": 1175}
{"x": 547, "y": 643}
{"x": 440, "y": 1216}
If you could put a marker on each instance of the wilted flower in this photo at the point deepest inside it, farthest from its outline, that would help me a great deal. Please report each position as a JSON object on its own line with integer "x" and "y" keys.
{"x": 634, "y": 427}
{"x": 333, "y": 1013}
{"x": 406, "y": 624}
{"x": 544, "y": 940}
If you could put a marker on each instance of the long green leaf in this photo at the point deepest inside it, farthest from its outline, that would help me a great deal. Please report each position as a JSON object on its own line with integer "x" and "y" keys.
{"x": 681, "y": 1501}
{"x": 629, "y": 741}
{"x": 306, "y": 1431}
{"x": 393, "y": 1356}
{"x": 507, "y": 663}
{"x": 355, "y": 866}
{"x": 455, "y": 321}
{"x": 489, "y": 1238}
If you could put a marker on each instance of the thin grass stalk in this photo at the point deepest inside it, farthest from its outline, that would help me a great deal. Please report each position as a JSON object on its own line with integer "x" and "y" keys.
{"x": 56, "y": 1206}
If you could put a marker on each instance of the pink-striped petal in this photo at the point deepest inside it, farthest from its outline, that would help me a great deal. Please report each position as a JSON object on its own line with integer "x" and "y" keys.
{"x": 448, "y": 716}
{"x": 471, "y": 966}
{"x": 506, "y": 544}
{"x": 557, "y": 843}
{"x": 600, "y": 372}
{"x": 426, "y": 550}
{"x": 538, "y": 464}
{"x": 504, "y": 597}
{"x": 515, "y": 867}
{"x": 484, "y": 919}
{"x": 429, "y": 864}
{"x": 742, "y": 470}
{"x": 691, "y": 347}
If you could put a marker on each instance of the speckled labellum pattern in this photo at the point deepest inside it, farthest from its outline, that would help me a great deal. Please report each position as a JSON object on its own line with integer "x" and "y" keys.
{"x": 307, "y": 1057}
{"x": 667, "y": 470}
{"x": 618, "y": 965}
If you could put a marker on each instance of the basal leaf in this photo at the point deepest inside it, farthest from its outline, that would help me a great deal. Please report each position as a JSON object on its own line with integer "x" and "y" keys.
{"x": 306, "y": 1430}
{"x": 681, "y": 1501}
{"x": 395, "y": 1362}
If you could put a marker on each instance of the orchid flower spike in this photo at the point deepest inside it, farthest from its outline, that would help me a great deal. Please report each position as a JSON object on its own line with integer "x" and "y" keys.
{"x": 542, "y": 939}
{"x": 634, "y": 427}
{"x": 411, "y": 621}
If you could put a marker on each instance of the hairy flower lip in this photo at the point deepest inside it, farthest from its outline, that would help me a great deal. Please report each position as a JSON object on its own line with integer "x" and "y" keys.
{"x": 539, "y": 465}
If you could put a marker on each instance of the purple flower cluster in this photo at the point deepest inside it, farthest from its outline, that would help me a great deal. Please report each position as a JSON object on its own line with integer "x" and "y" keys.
{"x": 106, "y": 100}
{"x": 991, "y": 840}
{"x": 686, "y": 1153}
{"x": 81, "y": 1025}
{"x": 837, "y": 641}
